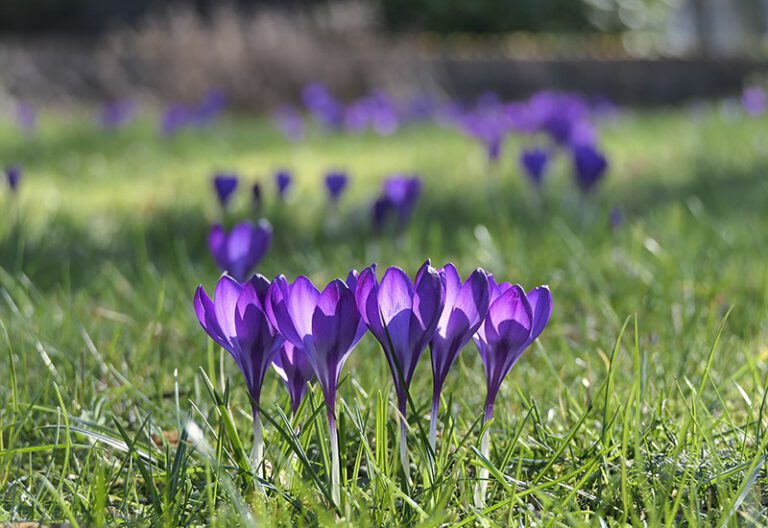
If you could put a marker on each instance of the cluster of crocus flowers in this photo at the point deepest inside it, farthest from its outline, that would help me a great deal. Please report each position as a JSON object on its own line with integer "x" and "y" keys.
{"x": 307, "y": 333}
{"x": 179, "y": 116}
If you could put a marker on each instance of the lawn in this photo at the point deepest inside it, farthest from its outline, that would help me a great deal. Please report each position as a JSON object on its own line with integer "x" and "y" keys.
{"x": 643, "y": 402}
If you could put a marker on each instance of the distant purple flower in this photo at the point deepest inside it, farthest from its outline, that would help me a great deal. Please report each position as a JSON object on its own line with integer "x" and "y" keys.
{"x": 240, "y": 251}
{"x": 13, "y": 175}
{"x": 589, "y": 166}
{"x": 116, "y": 114}
{"x": 256, "y": 195}
{"x": 513, "y": 322}
{"x": 295, "y": 370}
{"x": 225, "y": 184}
{"x": 754, "y": 100}
{"x": 383, "y": 113}
{"x": 326, "y": 326}
{"x": 326, "y": 109}
{"x": 380, "y": 212}
{"x": 210, "y": 107}
{"x": 534, "y": 161}
{"x": 564, "y": 117}
{"x": 283, "y": 179}
{"x": 420, "y": 107}
{"x": 175, "y": 117}
{"x": 357, "y": 117}
{"x": 290, "y": 123}
{"x": 336, "y": 182}
{"x": 399, "y": 196}
{"x": 402, "y": 315}
{"x": 403, "y": 193}
{"x": 465, "y": 309}
{"x": 616, "y": 218}
{"x": 26, "y": 118}
{"x": 490, "y": 128}
{"x": 237, "y": 321}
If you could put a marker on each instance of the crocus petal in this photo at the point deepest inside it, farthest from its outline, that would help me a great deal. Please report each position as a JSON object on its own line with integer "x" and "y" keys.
{"x": 540, "y": 300}
{"x": 258, "y": 343}
{"x": 352, "y": 277}
{"x": 262, "y": 238}
{"x": 206, "y": 315}
{"x": 473, "y": 298}
{"x": 239, "y": 249}
{"x": 395, "y": 302}
{"x": 292, "y": 366}
{"x": 366, "y": 297}
{"x": 217, "y": 244}
{"x": 224, "y": 302}
{"x": 509, "y": 318}
{"x": 428, "y": 303}
{"x": 278, "y": 312}
{"x": 302, "y": 300}
{"x": 334, "y": 328}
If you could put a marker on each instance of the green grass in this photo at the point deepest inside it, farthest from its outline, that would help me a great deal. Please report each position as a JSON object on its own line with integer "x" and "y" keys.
{"x": 644, "y": 401}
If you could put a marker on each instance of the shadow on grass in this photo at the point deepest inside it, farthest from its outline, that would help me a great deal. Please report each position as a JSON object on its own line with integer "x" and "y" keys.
{"x": 174, "y": 240}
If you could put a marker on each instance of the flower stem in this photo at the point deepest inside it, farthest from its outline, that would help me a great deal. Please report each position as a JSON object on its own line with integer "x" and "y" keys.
{"x": 257, "y": 453}
{"x": 335, "y": 468}
{"x": 485, "y": 450}
{"x": 433, "y": 422}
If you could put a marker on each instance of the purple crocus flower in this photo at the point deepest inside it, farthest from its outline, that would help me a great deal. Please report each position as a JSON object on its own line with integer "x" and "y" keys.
{"x": 405, "y": 314}
{"x": 514, "y": 321}
{"x": 13, "y": 175}
{"x": 175, "y": 117}
{"x": 326, "y": 326}
{"x": 589, "y": 166}
{"x": 465, "y": 308}
{"x": 283, "y": 179}
{"x": 289, "y": 122}
{"x": 383, "y": 114}
{"x": 562, "y": 116}
{"x": 225, "y": 184}
{"x": 336, "y": 182}
{"x": 326, "y": 109}
{"x": 209, "y": 108}
{"x": 754, "y": 100}
{"x": 379, "y": 212}
{"x": 490, "y": 127}
{"x": 295, "y": 370}
{"x": 242, "y": 249}
{"x": 237, "y": 321}
{"x": 534, "y": 162}
{"x": 117, "y": 114}
{"x": 403, "y": 193}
